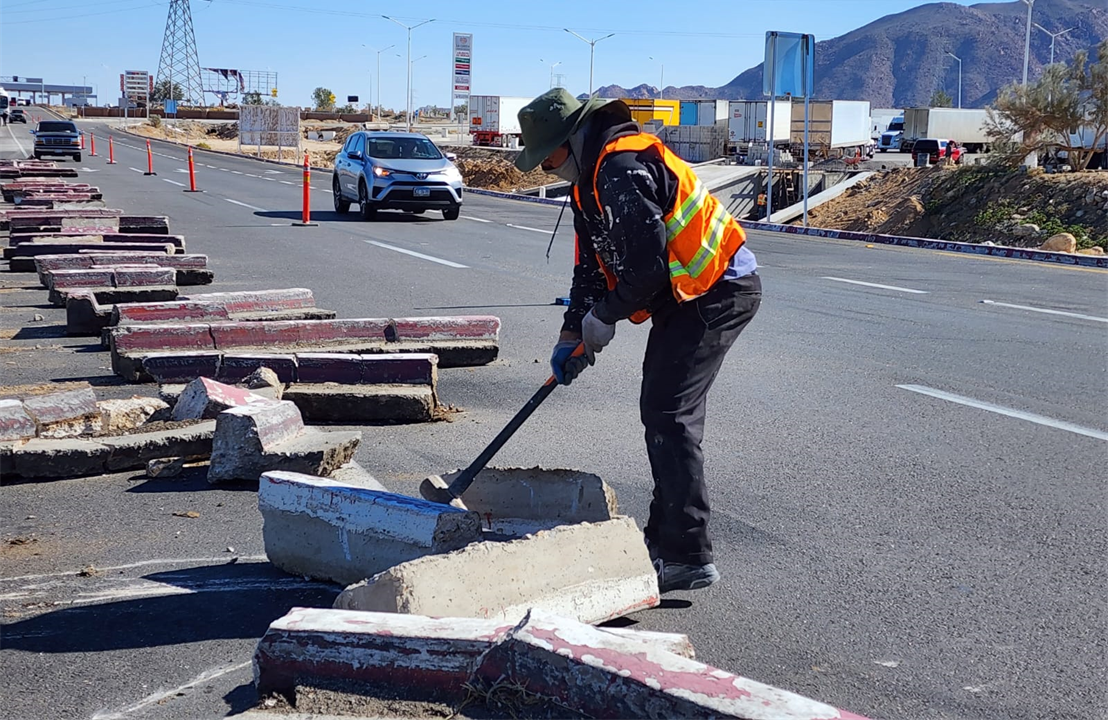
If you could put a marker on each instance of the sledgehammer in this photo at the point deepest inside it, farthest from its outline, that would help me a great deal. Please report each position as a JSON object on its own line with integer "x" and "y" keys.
{"x": 437, "y": 490}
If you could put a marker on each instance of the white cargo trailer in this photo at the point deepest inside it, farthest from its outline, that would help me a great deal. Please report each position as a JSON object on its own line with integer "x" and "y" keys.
{"x": 493, "y": 119}
{"x": 833, "y": 125}
{"x": 879, "y": 119}
{"x": 712, "y": 112}
{"x": 965, "y": 126}
{"x": 747, "y": 121}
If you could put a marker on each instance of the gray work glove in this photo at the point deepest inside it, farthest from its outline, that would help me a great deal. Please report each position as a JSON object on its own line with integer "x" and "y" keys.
{"x": 595, "y": 334}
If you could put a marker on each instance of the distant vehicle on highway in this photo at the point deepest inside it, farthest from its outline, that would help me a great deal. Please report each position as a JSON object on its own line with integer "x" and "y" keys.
{"x": 55, "y": 138}
{"x": 938, "y": 150}
{"x": 890, "y": 139}
{"x": 395, "y": 171}
{"x": 17, "y": 115}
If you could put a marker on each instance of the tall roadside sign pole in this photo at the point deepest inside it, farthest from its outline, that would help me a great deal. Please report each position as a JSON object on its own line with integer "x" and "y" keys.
{"x": 788, "y": 71}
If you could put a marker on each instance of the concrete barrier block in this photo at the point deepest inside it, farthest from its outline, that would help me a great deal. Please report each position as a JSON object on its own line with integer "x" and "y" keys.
{"x": 48, "y": 458}
{"x": 354, "y": 475}
{"x": 84, "y": 317}
{"x": 204, "y": 398}
{"x": 354, "y": 404}
{"x": 592, "y": 572}
{"x": 238, "y": 366}
{"x": 134, "y": 451}
{"x": 400, "y": 368}
{"x": 447, "y": 328}
{"x": 15, "y": 423}
{"x": 22, "y": 256}
{"x": 143, "y": 276}
{"x": 119, "y": 416}
{"x": 245, "y": 434}
{"x": 313, "y": 453}
{"x": 520, "y": 500}
{"x": 180, "y": 366}
{"x": 258, "y": 301}
{"x": 231, "y": 335}
{"x": 115, "y": 295}
{"x": 180, "y": 311}
{"x": 328, "y": 367}
{"x": 151, "y": 338}
{"x": 79, "y": 278}
{"x": 601, "y": 674}
{"x": 326, "y": 530}
{"x": 65, "y": 414}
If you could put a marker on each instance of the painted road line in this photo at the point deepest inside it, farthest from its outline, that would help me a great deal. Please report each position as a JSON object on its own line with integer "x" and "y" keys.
{"x": 1045, "y": 311}
{"x": 16, "y": 141}
{"x": 135, "y": 170}
{"x": 1001, "y": 410}
{"x": 475, "y": 219}
{"x": 141, "y": 563}
{"x": 524, "y": 227}
{"x": 286, "y": 182}
{"x": 173, "y": 182}
{"x": 413, "y": 253}
{"x": 162, "y": 695}
{"x": 251, "y": 207}
{"x": 223, "y": 169}
{"x": 236, "y": 172}
{"x": 876, "y": 285}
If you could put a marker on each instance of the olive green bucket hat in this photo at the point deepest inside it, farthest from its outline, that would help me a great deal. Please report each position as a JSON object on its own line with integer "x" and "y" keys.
{"x": 547, "y": 122}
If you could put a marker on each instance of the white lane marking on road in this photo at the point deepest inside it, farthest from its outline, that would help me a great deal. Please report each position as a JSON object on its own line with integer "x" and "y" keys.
{"x": 181, "y": 170}
{"x": 413, "y": 253}
{"x": 17, "y": 143}
{"x": 1001, "y": 410}
{"x": 236, "y": 172}
{"x": 224, "y": 170}
{"x": 251, "y": 207}
{"x": 157, "y": 697}
{"x": 210, "y": 166}
{"x": 252, "y": 175}
{"x": 475, "y": 219}
{"x": 1045, "y": 311}
{"x": 141, "y": 563}
{"x": 876, "y": 285}
{"x": 85, "y": 169}
{"x": 173, "y": 182}
{"x": 286, "y": 182}
{"x": 130, "y": 588}
{"x": 135, "y": 169}
{"x": 524, "y": 227}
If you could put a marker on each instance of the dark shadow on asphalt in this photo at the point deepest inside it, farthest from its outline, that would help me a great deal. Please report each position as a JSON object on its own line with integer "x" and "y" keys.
{"x": 241, "y": 699}
{"x": 96, "y": 380}
{"x": 40, "y": 332}
{"x": 384, "y": 216}
{"x": 228, "y": 601}
{"x": 192, "y": 479}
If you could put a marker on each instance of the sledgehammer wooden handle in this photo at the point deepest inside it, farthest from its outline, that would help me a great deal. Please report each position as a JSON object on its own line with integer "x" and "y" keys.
{"x": 465, "y": 478}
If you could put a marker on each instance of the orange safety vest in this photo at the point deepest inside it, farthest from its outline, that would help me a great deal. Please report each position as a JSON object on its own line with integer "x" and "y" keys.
{"x": 701, "y": 236}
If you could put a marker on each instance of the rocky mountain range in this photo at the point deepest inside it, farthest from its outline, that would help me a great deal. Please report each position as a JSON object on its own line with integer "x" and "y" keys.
{"x": 900, "y": 60}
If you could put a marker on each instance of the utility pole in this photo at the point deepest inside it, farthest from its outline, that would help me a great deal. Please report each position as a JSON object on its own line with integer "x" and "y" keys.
{"x": 661, "y": 80}
{"x": 551, "y": 71}
{"x": 1027, "y": 41}
{"x": 409, "y": 28}
{"x": 592, "y": 50}
{"x": 959, "y": 78}
{"x": 390, "y": 47}
{"x": 1053, "y": 37}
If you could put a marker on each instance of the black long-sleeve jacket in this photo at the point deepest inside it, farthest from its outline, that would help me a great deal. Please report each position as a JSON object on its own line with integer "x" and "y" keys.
{"x": 635, "y": 191}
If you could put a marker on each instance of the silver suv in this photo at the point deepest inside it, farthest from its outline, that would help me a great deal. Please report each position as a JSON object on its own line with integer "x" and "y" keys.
{"x": 395, "y": 171}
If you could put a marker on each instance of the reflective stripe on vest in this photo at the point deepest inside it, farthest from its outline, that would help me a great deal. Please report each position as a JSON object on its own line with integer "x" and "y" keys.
{"x": 701, "y": 236}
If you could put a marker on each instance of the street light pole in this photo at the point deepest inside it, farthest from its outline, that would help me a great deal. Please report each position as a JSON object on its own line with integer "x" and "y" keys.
{"x": 661, "y": 80}
{"x": 1027, "y": 41}
{"x": 592, "y": 50}
{"x": 959, "y": 78}
{"x": 1053, "y": 37}
{"x": 551, "y": 71}
{"x": 409, "y": 28}
{"x": 390, "y": 47}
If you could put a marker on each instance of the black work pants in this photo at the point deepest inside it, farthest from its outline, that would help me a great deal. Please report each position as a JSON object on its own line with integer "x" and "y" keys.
{"x": 685, "y": 350}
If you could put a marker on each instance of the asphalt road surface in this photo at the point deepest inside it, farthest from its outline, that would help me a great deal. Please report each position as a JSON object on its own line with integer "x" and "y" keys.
{"x": 906, "y": 451}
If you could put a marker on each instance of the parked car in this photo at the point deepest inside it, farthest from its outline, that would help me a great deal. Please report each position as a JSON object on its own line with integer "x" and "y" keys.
{"x": 938, "y": 150}
{"x": 57, "y": 137}
{"x": 395, "y": 171}
{"x": 17, "y": 115}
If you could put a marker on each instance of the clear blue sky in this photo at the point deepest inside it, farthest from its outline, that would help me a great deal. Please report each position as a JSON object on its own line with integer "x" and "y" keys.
{"x": 703, "y": 42}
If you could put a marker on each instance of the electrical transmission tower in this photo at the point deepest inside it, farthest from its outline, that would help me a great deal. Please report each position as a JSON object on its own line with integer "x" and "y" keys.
{"x": 179, "y": 64}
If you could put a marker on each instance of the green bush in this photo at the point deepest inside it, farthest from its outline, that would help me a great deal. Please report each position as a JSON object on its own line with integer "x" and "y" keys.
{"x": 156, "y": 121}
{"x": 203, "y": 146}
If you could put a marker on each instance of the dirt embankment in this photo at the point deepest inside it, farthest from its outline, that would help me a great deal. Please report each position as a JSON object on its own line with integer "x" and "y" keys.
{"x": 974, "y": 204}
{"x": 493, "y": 169}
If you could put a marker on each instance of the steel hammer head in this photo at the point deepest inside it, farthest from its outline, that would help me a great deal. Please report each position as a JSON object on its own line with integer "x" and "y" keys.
{"x": 435, "y": 489}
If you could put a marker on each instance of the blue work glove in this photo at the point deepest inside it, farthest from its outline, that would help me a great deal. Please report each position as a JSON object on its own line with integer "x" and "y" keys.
{"x": 565, "y": 367}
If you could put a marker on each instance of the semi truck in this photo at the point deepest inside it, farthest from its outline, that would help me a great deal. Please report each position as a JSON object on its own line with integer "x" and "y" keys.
{"x": 835, "y": 127}
{"x": 649, "y": 110}
{"x": 4, "y": 101}
{"x": 879, "y": 120}
{"x": 704, "y": 112}
{"x": 493, "y": 119}
{"x": 965, "y": 126}
{"x": 748, "y": 122}
{"x": 890, "y": 139}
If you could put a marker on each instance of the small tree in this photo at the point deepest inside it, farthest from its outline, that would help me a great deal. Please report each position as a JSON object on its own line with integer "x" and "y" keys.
{"x": 1065, "y": 109}
{"x": 346, "y": 109}
{"x": 323, "y": 99}
{"x": 167, "y": 90}
{"x": 252, "y": 98}
{"x": 941, "y": 99}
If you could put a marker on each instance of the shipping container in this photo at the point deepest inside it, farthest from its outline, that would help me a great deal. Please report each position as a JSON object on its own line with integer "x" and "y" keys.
{"x": 747, "y": 121}
{"x": 712, "y": 112}
{"x": 965, "y": 126}
{"x": 832, "y": 124}
{"x": 645, "y": 110}
{"x": 689, "y": 113}
{"x": 494, "y": 119}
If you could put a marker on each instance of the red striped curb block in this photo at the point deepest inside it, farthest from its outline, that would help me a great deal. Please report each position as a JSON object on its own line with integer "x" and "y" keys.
{"x": 461, "y": 342}
{"x": 15, "y": 423}
{"x": 111, "y": 279}
{"x": 121, "y": 238}
{"x": 52, "y": 459}
{"x": 416, "y": 657}
{"x": 22, "y": 257}
{"x": 326, "y": 530}
{"x": 189, "y": 269}
{"x": 1098, "y": 261}
{"x": 592, "y": 572}
{"x": 204, "y": 399}
{"x": 606, "y": 676}
{"x": 64, "y": 414}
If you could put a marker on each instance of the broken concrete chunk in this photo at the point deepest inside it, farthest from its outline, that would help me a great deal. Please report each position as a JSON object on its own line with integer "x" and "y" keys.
{"x": 53, "y": 458}
{"x": 15, "y": 423}
{"x": 65, "y": 414}
{"x": 364, "y": 403}
{"x": 132, "y": 452}
{"x": 590, "y": 571}
{"x": 119, "y": 416}
{"x": 261, "y": 379}
{"x": 165, "y": 467}
{"x": 326, "y": 530}
{"x": 204, "y": 398}
{"x": 355, "y": 475}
